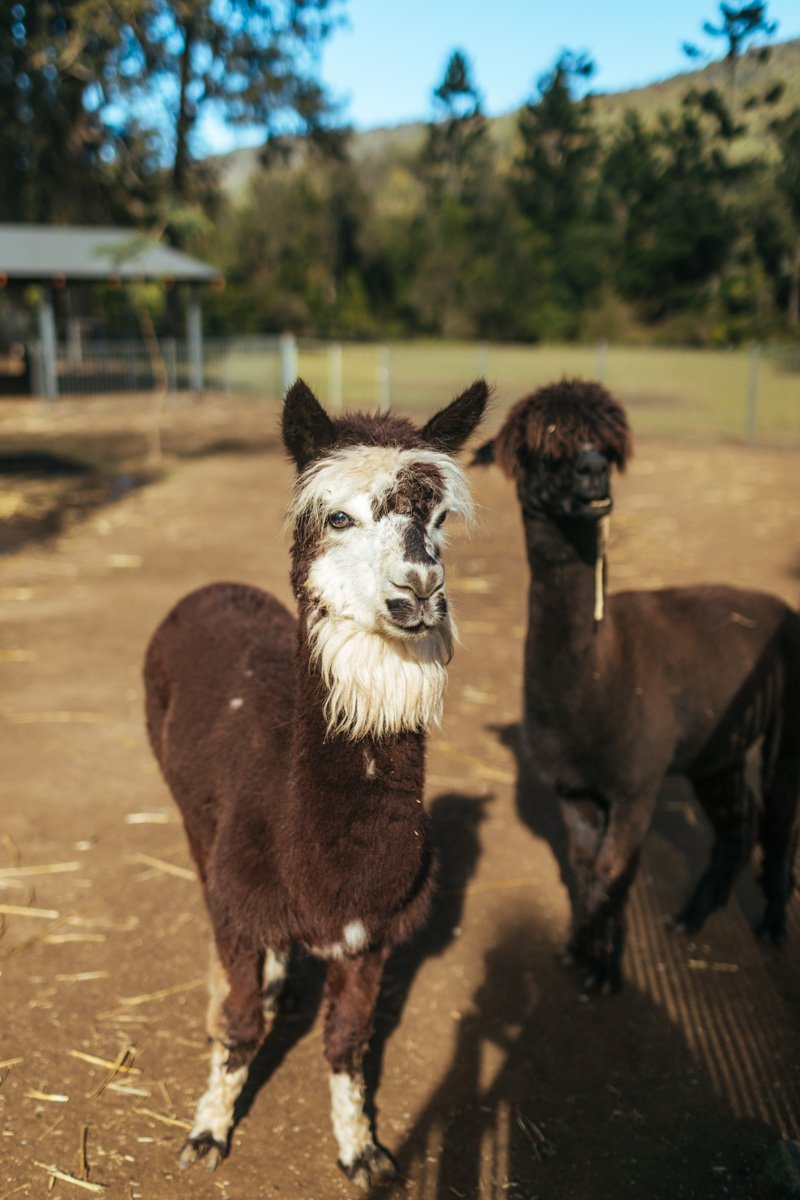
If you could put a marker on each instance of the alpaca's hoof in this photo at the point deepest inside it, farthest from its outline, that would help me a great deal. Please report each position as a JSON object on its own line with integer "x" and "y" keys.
{"x": 566, "y": 957}
{"x": 771, "y": 933}
{"x": 372, "y": 1165}
{"x": 691, "y": 920}
{"x": 604, "y": 978}
{"x": 203, "y": 1145}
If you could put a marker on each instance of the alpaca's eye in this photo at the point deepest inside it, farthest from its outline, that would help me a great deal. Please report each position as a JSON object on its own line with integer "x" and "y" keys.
{"x": 440, "y": 520}
{"x": 340, "y": 520}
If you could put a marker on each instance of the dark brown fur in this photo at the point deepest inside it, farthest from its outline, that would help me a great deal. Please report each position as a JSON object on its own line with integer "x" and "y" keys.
{"x": 676, "y": 680}
{"x": 292, "y": 841}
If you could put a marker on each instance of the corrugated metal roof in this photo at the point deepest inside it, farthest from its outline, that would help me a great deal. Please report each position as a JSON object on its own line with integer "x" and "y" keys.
{"x": 46, "y": 251}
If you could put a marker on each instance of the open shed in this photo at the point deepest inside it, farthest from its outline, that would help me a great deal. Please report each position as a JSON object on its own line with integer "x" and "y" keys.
{"x": 58, "y": 258}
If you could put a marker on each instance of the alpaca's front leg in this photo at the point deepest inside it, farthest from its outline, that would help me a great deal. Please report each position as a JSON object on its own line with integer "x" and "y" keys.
{"x": 240, "y": 994}
{"x": 351, "y": 991}
{"x": 606, "y": 839}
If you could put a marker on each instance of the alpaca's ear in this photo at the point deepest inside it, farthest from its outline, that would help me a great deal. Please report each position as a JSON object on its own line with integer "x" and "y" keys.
{"x": 305, "y": 426}
{"x": 484, "y": 455}
{"x": 451, "y": 427}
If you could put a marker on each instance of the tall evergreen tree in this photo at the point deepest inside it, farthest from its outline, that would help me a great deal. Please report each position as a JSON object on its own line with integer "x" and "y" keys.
{"x": 455, "y": 152}
{"x": 456, "y": 173}
{"x": 669, "y": 185}
{"x": 787, "y": 133}
{"x": 739, "y": 28}
{"x": 554, "y": 182}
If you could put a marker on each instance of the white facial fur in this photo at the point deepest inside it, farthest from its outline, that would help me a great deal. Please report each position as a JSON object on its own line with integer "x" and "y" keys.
{"x": 380, "y": 679}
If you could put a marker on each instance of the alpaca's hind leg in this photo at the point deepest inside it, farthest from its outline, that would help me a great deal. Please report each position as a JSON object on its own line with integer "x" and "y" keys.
{"x": 730, "y": 807}
{"x": 351, "y": 991}
{"x": 779, "y": 837}
{"x": 235, "y": 1025}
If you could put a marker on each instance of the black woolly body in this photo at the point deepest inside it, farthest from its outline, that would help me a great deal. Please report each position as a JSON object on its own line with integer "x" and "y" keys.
{"x": 682, "y": 680}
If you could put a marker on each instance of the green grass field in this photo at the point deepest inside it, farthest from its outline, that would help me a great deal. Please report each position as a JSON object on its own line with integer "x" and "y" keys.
{"x": 691, "y": 393}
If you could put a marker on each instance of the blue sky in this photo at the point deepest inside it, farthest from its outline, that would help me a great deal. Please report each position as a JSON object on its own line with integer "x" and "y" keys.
{"x": 386, "y": 60}
{"x": 391, "y": 55}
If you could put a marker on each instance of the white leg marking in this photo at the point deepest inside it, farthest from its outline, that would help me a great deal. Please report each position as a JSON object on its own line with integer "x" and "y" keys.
{"x": 350, "y": 1125}
{"x": 214, "y": 1112}
{"x": 355, "y": 936}
{"x": 273, "y": 977}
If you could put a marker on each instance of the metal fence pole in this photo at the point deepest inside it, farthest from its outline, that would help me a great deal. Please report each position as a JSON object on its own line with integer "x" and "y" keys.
{"x": 752, "y": 394}
{"x": 384, "y": 378}
{"x": 601, "y": 360}
{"x": 288, "y": 360}
{"x": 335, "y": 378}
{"x": 482, "y": 357}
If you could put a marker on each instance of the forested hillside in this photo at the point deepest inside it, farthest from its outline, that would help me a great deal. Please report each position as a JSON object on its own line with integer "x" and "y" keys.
{"x": 667, "y": 213}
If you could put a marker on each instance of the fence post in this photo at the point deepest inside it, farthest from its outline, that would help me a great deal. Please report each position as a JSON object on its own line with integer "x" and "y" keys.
{"x": 288, "y": 360}
{"x": 601, "y": 360}
{"x": 483, "y": 359}
{"x": 752, "y": 394}
{"x": 384, "y": 378}
{"x": 335, "y": 378}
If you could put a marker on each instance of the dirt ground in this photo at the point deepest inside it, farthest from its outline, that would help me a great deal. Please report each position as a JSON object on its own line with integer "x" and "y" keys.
{"x": 493, "y": 1077}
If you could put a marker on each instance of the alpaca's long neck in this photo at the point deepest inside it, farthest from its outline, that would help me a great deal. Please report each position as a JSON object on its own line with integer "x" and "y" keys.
{"x": 333, "y": 758}
{"x": 567, "y": 593}
{"x": 353, "y": 831}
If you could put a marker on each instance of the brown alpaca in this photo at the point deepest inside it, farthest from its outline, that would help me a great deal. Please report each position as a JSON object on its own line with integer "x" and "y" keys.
{"x": 621, "y": 691}
{"x": 295, "y": 748}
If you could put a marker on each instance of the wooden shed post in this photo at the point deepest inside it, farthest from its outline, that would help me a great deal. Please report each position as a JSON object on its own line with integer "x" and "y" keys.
{"x": 194, "y": 340}
{"x": 48, "y": 374}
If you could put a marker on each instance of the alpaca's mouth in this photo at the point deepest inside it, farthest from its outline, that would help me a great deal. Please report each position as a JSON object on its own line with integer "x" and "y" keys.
{"x": 594, "y": 508}
{"x": 410, "y": 616}
{"x": 417, "y": 629}
{"x": 413, "y": 629}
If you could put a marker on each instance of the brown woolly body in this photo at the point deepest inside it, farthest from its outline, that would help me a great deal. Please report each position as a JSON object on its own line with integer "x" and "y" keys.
{"x": 295, "y": 748}
{"x": 681, "y": 680}
{"x": 273, "y": 827}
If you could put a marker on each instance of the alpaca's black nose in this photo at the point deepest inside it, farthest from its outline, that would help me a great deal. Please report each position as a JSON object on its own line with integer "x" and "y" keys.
{"x": 419, "y": 581}
{"x": 590, "y": 474}
{"x": 424, "y": 581}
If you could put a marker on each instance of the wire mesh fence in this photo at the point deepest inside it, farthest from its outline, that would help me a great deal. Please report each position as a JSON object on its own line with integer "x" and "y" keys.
{"x": 749, "y": 394}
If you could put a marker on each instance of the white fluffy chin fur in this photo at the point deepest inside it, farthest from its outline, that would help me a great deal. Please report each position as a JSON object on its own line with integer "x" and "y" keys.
{"x": 377, "y": 684}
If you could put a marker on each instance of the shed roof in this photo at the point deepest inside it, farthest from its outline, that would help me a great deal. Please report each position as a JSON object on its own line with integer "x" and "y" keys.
{"x": 43, "y": 252}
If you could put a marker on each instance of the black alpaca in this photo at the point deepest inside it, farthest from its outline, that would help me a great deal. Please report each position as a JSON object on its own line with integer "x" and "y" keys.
{"x": 620, "y": 691}
{"x": 295, "y": 748}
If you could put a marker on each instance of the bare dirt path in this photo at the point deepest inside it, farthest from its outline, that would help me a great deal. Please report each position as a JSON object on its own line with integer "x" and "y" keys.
{"x": 494, "y": 1078}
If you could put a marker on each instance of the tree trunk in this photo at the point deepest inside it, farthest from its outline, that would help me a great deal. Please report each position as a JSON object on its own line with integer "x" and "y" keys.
{"x": 185, "y": 116}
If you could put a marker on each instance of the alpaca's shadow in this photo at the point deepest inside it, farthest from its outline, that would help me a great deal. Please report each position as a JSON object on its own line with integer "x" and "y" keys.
{"x": 545, "y": 1095}
{"x": 536, "y": 802}
{"x": 456, "y": 820}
